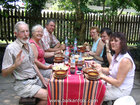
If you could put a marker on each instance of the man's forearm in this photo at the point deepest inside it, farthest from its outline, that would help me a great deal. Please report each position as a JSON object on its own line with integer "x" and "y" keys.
{"x": 9, "y": 70}
{"x": 57, "y": 45}
{"x": 49, "y": 54}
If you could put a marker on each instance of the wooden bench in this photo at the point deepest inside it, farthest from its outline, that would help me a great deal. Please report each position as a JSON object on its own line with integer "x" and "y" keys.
{"x": 27, "y": 101}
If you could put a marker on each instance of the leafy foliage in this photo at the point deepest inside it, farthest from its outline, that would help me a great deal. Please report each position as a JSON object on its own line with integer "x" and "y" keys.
{"x": 136, "y": 5}
{"x": 5, "y": 4}
{"x": 35, "y": 5}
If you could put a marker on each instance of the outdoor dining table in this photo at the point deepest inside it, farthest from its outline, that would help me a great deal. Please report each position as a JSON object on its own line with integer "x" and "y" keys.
{"x": 75, "y": 89}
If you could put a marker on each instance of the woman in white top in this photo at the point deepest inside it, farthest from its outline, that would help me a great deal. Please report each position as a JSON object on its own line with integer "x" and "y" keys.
{"x": 120, "y": 74}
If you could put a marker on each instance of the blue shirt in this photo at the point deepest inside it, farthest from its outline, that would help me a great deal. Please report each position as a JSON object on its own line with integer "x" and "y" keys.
{"x": 94, "y": 46}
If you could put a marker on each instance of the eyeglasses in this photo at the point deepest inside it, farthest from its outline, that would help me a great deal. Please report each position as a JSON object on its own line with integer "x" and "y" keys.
{"x": 93, "y": 32}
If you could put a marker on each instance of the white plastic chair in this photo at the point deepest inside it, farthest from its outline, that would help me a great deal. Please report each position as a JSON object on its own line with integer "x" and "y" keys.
{"x": 125, "y": 100}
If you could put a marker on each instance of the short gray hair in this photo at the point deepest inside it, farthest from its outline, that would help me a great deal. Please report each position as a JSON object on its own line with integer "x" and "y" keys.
{"x": 16, "y": 28}
{"x": 50, "y": 20}
{"x": 36, "y": 26}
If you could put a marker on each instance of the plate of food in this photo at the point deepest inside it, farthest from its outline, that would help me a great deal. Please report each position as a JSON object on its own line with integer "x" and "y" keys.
{"x": 57, "y": 67}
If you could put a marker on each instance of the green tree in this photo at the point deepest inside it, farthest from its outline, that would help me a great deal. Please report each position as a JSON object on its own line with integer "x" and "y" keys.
{"x": 35, "y": 7}
{"x": 80, "y": 7}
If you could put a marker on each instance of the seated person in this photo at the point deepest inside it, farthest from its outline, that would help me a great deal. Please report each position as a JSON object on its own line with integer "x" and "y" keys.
{"x": 98, "y": 45}
{"x": 37, "y": 33}
{"x": 105, "y": 35}
{"x": 19, "y": 61}
{"x": 120, "y": 74}
{"x": 51, "y": 44}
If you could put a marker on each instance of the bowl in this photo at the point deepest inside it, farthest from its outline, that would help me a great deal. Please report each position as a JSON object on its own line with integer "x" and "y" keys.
{"x": 87, "y": 69}
{"x": 60, "y": 72}
{"x": 93, "y": 73}
{"x": 81, "y": 48}
{"x": 59, "y": 58}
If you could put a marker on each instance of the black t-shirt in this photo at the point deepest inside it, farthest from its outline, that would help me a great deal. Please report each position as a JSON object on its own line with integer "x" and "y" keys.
{"x": 106, "y": 63}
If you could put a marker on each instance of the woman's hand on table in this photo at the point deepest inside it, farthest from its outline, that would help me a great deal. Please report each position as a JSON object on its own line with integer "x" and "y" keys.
{"x": 100, "y": 71}
{"x": 49, "y": 67}
{"x": 101, "y": 75}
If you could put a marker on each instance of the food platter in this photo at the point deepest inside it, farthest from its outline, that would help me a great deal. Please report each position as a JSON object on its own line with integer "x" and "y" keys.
{"x": 60, "y": 67}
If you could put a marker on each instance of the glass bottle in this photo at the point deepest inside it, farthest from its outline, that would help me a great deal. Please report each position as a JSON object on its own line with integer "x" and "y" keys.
{"x": 72, "y": 65}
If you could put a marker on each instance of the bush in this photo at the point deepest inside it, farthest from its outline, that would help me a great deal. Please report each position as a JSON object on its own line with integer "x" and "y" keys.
{"x": 1, "y": 56}
{"x": 135, "y": 53}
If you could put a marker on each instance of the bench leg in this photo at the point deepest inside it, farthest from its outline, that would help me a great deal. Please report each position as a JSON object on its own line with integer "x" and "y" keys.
{"x": 27, "y": 101}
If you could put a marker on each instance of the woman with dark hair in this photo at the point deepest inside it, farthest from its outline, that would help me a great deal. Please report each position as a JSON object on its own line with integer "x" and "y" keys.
{"x": 105, "y": 36}
{"x": 120, "y": 74}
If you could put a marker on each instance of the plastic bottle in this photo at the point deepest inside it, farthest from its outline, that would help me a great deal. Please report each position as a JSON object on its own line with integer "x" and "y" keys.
{"x": 66, "y": 56}
{"x": 75, "y": 41}
{"x": 66, "y": 41}
{"x": 75, "y": 46}
{"x": 72, "y": 66}
{"x": 80, "y": 62}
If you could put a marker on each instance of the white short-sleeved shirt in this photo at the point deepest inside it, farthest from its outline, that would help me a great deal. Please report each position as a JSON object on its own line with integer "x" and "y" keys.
{"x": 26, "y": 69}
{"x": 49, "y": 40}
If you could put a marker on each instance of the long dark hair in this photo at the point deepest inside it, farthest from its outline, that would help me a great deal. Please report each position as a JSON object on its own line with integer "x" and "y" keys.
{"x": 123, "y": 42}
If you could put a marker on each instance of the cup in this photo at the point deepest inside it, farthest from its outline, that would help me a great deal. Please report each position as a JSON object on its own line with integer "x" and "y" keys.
{"x": 72, "y": 70}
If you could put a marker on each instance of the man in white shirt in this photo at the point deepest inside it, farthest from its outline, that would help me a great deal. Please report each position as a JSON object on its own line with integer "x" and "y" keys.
{"x": 50, "y": 42}
{"x": 18, "y": 60}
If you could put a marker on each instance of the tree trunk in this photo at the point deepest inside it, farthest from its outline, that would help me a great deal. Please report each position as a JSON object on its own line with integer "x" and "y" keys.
{"x": 80, "y": 25}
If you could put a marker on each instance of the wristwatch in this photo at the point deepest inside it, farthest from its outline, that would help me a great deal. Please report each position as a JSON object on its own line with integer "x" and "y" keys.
{"x": 108, "y": 51}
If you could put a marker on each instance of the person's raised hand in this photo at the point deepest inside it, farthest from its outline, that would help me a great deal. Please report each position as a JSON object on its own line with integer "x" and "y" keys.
{"x": 19, "y": 59}
{"x": 107, "y": 44}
